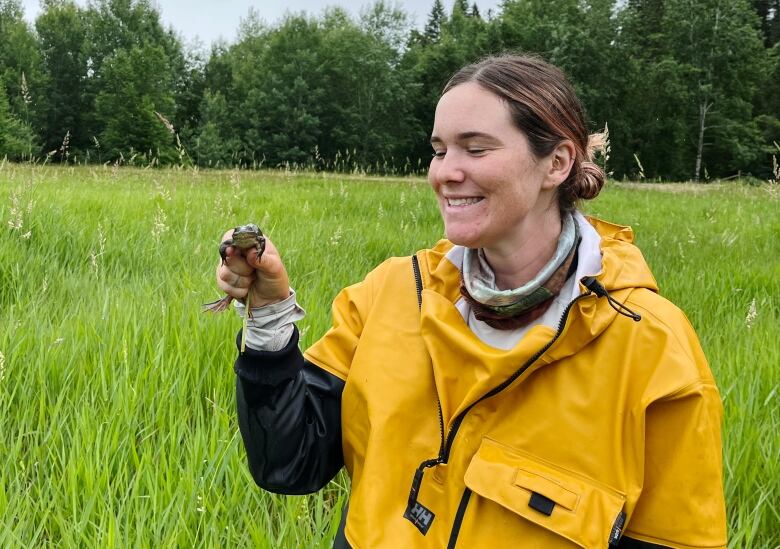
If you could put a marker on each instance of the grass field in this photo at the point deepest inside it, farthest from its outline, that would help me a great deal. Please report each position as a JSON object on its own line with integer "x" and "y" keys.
{"x": 117, "y": 421}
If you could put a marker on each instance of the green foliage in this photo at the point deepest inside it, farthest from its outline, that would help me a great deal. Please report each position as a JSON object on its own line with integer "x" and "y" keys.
{"x": 578, "y": 36}
{"x": 16, "y": 137}
{"x": 768, "y": 12}
{"x": 703, "y": 61}
{"x": 283, "y": 105}
{"x": 134, "y": 68}
{"x": 368, "y": 112}
{"x": 433, "y": 26}
{"x": 117, "y": 395}
{"x": 135, "y": 85}
{"x": 18, "y": 55}
{"x": 718, "y": 47}
{"x": 61, "y": 29}
{"x": 323, "y": 93}
{"x": 687, "y": 87}
{"x": 214, "y": 145}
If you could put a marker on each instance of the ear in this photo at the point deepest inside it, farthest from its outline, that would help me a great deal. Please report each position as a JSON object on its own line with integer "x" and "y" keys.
{"x": 560, "y": 162}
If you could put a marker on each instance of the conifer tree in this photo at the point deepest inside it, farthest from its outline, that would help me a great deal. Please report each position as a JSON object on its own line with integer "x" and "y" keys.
{"x": 436, "y": 18}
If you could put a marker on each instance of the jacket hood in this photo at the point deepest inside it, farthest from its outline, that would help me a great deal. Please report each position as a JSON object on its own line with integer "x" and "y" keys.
{"x": 622, "y": 264}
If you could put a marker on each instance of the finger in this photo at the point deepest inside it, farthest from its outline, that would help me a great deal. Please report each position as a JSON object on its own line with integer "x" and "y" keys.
{"x": 238, "y": 293}
{"x": 237, "y": 263}
{"x": 234, "y": 279}
{"x": 225, "y": 283}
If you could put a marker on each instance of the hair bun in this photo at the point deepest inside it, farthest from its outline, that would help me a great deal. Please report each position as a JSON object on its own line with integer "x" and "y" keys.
{"x": 590, "y": 182}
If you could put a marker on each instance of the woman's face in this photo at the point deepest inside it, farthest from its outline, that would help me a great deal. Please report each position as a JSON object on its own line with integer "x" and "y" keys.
{"x": 492, "y": 191}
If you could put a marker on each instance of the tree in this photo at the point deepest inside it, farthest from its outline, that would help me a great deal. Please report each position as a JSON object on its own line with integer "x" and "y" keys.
{"x": 367, "y": 112}
{"x": 436, "y": 19}
{"x": 123, "y": 24}
{"x": 719, "y": 48}
{"x": 216, "y": 144}
{"x": 579, "y": 37}
{"x": 280, "y": 86}
{"x": 15, "y": 136}
{"x": 427, "y": 66}
{"x": 120, "y": 31}
{"x": 188, "y": 88}
{"x": 387, "y": 24}
{"x": 61, "y": 38}
{"x": 768, "y": 12}
{"x": 135, "y": 86}
{"x": 19, "y": 62}
{"x": 460, "y": 6}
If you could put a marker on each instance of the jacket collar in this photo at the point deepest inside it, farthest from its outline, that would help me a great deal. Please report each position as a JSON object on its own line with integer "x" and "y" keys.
{"x": 623, "y": 269}
{"x": 622, "y": 263}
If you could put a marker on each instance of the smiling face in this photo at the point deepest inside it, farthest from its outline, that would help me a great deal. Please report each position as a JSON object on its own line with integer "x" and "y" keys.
{"x": 493, "y": 192}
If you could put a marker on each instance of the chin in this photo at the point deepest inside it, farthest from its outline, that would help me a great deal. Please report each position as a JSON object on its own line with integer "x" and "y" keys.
{"x": 461, "y": 239}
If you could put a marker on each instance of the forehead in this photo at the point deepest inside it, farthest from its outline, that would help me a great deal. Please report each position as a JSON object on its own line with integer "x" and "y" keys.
{"x": 470, "y": 107}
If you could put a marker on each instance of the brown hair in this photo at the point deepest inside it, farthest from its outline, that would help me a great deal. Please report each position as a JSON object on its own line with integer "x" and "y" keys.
{"x": 546, "y": 109}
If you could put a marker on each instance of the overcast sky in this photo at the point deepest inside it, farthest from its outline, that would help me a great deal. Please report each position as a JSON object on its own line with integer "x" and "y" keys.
{"x": 212, "y": 20}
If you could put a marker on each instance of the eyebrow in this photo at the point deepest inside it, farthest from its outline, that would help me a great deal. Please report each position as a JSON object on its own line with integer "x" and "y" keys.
{"x": 463, "y": 136}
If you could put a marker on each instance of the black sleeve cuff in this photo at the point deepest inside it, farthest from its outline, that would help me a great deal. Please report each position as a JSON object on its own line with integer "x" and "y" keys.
{"x": 269, "y": 367}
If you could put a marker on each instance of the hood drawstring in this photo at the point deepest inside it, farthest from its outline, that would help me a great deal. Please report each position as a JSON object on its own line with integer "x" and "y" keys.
{"x": 594, "y": 286}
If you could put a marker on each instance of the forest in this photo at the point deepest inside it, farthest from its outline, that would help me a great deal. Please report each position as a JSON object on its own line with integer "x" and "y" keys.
{"x": 688, "y": 89}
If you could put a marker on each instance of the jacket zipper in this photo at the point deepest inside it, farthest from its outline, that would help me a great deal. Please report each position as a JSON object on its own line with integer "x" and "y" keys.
{"x": 418, "y": 284}
{"x": 594, "y": 287}
{"x": 446, "y": 443}
{"x": 455, "y": 531}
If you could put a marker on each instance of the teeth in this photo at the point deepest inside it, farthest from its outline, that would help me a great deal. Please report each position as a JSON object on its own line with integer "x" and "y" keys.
{"x": 462, "y": 201}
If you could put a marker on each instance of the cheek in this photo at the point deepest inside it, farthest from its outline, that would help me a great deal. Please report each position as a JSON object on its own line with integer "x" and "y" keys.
{"x": 432, "y": 170}
{"x": 433, "y": 181}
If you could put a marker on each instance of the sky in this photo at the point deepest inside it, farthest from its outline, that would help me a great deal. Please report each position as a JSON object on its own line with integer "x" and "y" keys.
{"x": 210, "y": 21}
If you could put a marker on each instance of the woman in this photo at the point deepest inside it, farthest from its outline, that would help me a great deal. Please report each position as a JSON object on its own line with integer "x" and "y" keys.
{"x": 520, "y": 384}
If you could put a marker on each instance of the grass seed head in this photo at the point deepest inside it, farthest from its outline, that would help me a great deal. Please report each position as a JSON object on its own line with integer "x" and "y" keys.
{"x": 750, "y": 318}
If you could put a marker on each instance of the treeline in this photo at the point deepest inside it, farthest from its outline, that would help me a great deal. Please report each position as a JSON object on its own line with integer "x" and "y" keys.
{"x": 688, "y": 88}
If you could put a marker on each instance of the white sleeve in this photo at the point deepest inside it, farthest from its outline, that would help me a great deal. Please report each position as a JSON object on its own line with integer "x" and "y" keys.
{"x": 271, "y": 327}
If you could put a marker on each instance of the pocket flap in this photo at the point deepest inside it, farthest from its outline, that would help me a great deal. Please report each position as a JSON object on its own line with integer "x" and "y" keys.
{"x": 547, "y": 485}
{"x": 572, "y": 505}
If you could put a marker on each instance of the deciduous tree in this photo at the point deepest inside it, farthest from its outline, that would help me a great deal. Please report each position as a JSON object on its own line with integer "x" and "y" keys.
{"x": 61, "y": 31}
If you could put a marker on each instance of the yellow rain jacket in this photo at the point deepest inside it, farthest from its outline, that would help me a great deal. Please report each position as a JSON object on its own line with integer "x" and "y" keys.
{"x": 570, "y": 439}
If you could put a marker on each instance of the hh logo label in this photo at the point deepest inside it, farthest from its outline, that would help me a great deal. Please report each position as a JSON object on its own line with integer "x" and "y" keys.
{"x": 420, "y": 516}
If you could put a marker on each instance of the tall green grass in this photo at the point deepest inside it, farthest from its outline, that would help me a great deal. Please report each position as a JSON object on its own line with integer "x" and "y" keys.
{"x": 117, "y": 419}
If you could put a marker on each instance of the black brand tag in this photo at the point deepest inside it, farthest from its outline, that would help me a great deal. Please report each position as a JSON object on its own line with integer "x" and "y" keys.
{"x": 617, "y": 530}
{"x": 420, "y": 516}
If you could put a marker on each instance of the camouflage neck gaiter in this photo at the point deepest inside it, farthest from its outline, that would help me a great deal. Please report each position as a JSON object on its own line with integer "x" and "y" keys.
{"x": 512, "y": 309}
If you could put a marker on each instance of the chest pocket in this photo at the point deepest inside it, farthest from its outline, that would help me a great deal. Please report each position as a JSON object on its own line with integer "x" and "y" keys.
{"x": 565, "y": 503}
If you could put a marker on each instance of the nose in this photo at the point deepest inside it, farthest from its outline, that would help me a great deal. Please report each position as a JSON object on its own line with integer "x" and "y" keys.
{"x": 446, "y": 169}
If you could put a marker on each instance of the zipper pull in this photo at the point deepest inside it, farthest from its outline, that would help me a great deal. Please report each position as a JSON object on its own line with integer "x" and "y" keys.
{"x": 595, "y": 286}
{"x": 417, "y": 513}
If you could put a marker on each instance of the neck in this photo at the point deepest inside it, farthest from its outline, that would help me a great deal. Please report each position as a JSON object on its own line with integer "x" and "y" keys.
{"x": 518, "y": 260}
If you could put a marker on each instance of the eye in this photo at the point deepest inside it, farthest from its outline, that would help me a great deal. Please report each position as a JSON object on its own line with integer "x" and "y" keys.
{"x": 439, "y": 154}
{"x": 476, "y": 151}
